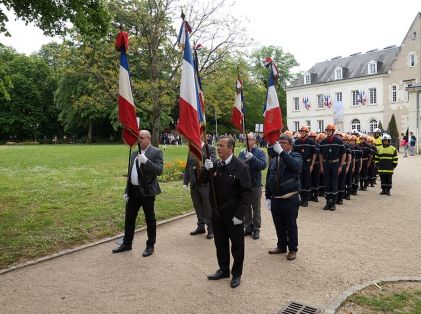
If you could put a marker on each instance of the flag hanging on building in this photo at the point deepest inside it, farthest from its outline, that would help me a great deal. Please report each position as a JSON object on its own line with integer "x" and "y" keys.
{"x": 126, "y": 107}
{"x": 237, "y": 117}
{"x": 189, "y": 103}
{"x": 272, "y": 114}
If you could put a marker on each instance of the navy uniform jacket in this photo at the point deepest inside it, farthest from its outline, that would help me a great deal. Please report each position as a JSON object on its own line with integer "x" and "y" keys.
{"x": 256, "y": 164}
{"x": 356, "y": 149}
{"x": 366, "y": 150}
{"x": 332, "y": 148}
{"x": 306, "y": 148}
{"x": 288, "y": 175}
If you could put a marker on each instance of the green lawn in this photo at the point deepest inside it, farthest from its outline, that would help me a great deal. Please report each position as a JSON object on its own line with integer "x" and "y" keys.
{"x": 54, "y": 197}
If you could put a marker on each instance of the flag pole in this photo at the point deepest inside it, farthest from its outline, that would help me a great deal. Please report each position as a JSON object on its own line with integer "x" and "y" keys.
{"x": 244, "y": 116}
{"x": 211, "y": 182}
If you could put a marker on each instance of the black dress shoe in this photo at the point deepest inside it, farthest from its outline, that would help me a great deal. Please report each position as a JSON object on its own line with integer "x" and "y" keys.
{"x": 148, "y": 251}
{"x": 219, "y": 275}
{"x": 278, "y": 251}
{"x": 209, "y": 235}
{"x": 198, "y": 231}
{"x": 256, "y": 234}
{"x": 235, "y": 281}
{"x": 247, "y": 232}
{"x": 122, "y": 248}
{"x": 332, "y": 207}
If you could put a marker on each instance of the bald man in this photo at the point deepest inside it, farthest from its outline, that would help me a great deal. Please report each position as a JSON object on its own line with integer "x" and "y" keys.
{"x": 141, "y": 189}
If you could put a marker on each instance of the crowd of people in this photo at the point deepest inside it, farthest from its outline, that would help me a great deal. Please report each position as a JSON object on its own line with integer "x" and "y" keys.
{"x": 226, "y": 191}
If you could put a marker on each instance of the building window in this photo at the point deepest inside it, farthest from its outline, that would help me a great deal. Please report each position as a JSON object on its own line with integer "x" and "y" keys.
{"x": 356, "y": 125}
{"x": 338, "y": 96}
{"x": 307, "y": 78}
{"x": 296, "y": 126}
{"x": 321, "y": 125}
{"x": 308, "y": 122}
{"x": 372, "y": 67}
{"x": 373, "y": 96}
{"x": 355, "y": 98}
{"x": 320, "y": 101}
{"x": 394, "y": 93}
{"x": 408, "y": 84}
{"x": 412, "y": 60}
{"x": 414, "y": 35}
{"x": 338, "y": 73}
{"x": 296, "y": 104}
{"x": 373, "y": 125}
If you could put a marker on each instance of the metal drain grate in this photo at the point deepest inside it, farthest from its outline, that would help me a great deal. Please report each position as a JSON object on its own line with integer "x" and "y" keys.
{"x": 297, "y": 308}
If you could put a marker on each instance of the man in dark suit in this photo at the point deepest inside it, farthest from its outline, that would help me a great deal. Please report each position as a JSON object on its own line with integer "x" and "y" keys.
{"x": 232, "y": 186}
{"x": 282, "y": 195}
{"x": 199, "y": 190}
{"x": 141, "y": 189}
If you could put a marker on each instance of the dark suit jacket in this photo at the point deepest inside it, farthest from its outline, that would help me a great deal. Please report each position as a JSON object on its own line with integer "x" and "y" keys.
{"x": 232, "y": 188}
{"x": 191, "y": 172}
{"x": 150, "y": 170}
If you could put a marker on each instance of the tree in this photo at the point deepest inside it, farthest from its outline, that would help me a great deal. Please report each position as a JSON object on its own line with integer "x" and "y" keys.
{"x": 380, "y": 126}
{"x": 392, "y": 129}
{"x": 31, "y": 109}
{"x": 51, "y": 16}
{"x": 285, "y": 61}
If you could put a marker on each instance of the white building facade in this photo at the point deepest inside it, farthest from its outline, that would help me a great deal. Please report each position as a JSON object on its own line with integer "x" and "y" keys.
{"x": 359, "y": 91}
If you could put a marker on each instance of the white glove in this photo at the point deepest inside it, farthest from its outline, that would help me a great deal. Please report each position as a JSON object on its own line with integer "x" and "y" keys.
{"x": 249, "y": 155}
{"x": 185, "y": 186}
{"x": 268, "y": 203}
{"x": 208, "y": 164}
{"x": 126, "y": 197}
{"x": 277, "y": 148}
{"x": 236, "y": 221}
{"x": 142, "y": 158}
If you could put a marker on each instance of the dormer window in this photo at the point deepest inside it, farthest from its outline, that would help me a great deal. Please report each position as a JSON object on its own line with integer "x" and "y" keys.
{"x": 307, "y": 78}
{"x": 411, "y": 59}
{"x": 372, "y": 67}
{"x": 338, "y": 73}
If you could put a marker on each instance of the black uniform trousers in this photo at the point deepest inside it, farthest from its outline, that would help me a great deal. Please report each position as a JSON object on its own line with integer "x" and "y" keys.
{"x": 356, "y": 177}
{"x": 372, "y": 173}
{"x": 364, "y": 174}
{"x": 305, "y": 179}
{"x": 348, "y": 181}
{"x": 284, "y": 214}
{"x": 322, "y": 186}
{"x": 386, "y": 181}
{"x": 200, "y": 198}
{"x": 224, "y": 231}
{"x": 331, "y": 179}
{"x": 315, "y": 179}
{"x": 137, "y": 200}
{"x": 341, "y": 183}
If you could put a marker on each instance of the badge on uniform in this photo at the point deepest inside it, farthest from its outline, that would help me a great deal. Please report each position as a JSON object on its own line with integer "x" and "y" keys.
{"x": 302, "y": 150}
{"x": 330, "y": 150}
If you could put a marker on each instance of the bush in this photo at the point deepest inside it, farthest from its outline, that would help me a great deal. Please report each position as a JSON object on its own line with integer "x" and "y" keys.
{"x": 173, "y": 170}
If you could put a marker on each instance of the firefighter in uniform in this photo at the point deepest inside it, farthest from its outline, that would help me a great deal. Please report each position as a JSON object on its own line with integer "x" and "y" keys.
{"x": 377, "y": 144}
{"x": 342, "y": 175}
{"x": 386, "y": 160}
{"x": 372, "y": 167}
{"x": 315, "y": 174}
{"x": 349, "y": 166}
{"x": 332, "y": 157}
{"x": 357, "y": 152}
{"x": 322, "y": 186}
{"x": 307, "y": 149}
{"x": 366, "y": 161}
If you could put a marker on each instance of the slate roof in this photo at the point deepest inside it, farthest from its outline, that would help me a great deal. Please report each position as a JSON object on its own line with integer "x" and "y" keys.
{"x": 353, "y": 66}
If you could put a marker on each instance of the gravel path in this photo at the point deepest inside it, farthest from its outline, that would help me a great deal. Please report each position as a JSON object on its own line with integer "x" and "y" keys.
{"x": 369, "y": 237}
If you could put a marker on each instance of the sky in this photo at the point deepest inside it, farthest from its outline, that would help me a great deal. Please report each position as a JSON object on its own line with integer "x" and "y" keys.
{"x": 313, "y": 31}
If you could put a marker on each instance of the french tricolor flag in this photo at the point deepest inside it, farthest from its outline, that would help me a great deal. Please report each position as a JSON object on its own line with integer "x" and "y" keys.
{"x": 237, "y": 116}
{"x": 189, "y": 102}
{"x": 126, "y": 107}
{"x": 272, "y": 114}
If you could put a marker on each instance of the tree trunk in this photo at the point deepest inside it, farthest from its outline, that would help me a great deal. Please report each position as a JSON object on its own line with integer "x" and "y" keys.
{"x": 90, "y": 128}
{"x": 155, "y": 130}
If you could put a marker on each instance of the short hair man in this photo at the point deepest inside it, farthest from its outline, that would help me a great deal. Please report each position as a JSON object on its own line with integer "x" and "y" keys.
{"x": 233, "y": 197}
{"x": 141, "y": 188}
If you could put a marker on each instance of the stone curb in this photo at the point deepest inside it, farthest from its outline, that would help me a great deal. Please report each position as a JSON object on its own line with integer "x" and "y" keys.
{"x": 86, "y": 246}
{"x": 331, "y": 309}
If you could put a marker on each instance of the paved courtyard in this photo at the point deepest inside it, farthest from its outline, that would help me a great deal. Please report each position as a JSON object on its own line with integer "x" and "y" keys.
{"x": 370, "y": 237}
